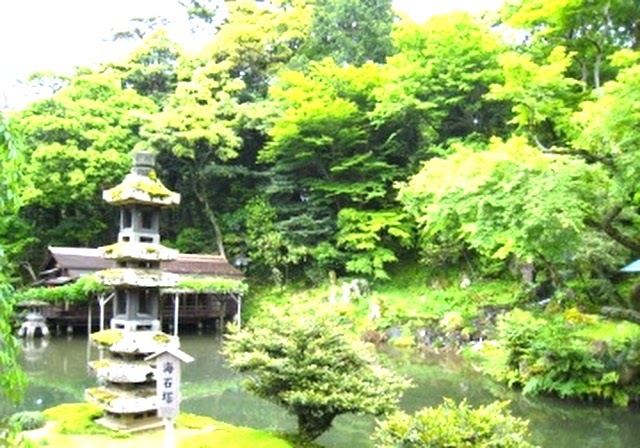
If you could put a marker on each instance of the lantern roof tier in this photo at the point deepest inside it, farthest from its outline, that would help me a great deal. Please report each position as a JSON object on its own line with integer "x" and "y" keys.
{"x": 122, "y": 372}
{"x": 141, "y": 189}
{"x": 119, "y": 401}
{"x": 130, "y": 251}
{"x": 137, "y": 278}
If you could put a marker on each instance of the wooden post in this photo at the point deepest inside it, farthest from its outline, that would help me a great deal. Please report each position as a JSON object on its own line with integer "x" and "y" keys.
{"x": 169, "y": 433}
{"x": 167, "y": 376}
{"x": 102, "y": 301}
{"x": 102, "y": 304}
{"x": 89, "y": 319}
{"x": 238, "y": 319}
{"x": 176, "y": 308}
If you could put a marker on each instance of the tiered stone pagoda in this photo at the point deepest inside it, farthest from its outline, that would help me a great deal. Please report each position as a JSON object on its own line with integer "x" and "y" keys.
{"x": 128, "y": 387}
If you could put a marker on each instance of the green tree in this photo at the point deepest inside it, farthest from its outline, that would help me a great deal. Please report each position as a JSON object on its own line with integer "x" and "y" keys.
{"x": 370, "y": 238}
{"x": 204, "y": 134}
{"x": 77, "y": 143}
{"x": 150, "y": 69}
{"x": 326, "y": 157}
{"x": 313, "y": 367}
{"x": 508, "y": 201}
{"x": 198, "y": 126}
{"x": 12, "y": 380}
{"x": 607, "y": 131}
{"x": 434, "y": 87}
{"x": 270, "y": 251}
{"x": 591, "y": 30}
{"x": 351, "y": 31}
{"x": 543, "y": 96}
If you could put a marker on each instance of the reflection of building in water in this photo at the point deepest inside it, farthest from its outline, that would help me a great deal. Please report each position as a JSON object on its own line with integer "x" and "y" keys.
{"x": 33, "y": 348}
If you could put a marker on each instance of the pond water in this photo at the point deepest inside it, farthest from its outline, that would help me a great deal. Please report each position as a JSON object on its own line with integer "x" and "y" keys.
{"x": 58, "y": 374}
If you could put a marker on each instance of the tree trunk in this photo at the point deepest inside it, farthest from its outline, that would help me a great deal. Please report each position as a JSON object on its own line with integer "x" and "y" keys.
{"x": 311, "y": 425}
{"x": 209, "y": 213}
{"x": 621, "y": 313}
{"x": 614, "y": 233}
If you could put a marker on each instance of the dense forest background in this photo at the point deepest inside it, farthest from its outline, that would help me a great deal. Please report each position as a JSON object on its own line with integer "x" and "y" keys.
{"x": 311, "y": 136}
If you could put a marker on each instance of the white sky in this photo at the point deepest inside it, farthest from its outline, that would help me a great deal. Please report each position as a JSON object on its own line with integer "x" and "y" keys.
{"x": 58, "y": 35}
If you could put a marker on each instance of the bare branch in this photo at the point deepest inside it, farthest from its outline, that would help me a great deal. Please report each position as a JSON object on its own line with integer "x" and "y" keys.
{"x": 606, "y": 225}
{"x": 587, "y": 156}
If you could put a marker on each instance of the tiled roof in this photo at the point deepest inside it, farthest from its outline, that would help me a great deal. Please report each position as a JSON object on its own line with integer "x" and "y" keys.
{"x": 79, "y": 260}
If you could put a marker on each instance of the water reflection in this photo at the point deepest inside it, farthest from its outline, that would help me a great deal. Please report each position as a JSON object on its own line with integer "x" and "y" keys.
{"x": 58, "y": 374}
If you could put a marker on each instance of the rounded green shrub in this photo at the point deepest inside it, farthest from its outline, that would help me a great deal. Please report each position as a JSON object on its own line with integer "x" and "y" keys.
{"x": 27, "y": 420}
{"x": 454, "y": 425}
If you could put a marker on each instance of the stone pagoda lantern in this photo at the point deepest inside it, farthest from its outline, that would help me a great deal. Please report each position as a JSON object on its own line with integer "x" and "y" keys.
{"x": 128, "y": 387}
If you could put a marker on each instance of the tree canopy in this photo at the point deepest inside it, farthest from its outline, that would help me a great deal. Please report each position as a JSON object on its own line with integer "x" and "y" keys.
{"x": 303, "y": 150}
{"x": 12, "y": 381}
{"x": 313, "y": 367}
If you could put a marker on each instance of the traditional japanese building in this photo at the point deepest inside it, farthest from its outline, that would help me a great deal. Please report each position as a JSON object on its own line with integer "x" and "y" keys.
{"x": 205, "y": 308}
{"x": 128, "y": 390}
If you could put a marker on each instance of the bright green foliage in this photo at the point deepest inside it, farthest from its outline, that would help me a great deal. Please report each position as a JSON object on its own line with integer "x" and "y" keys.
{"x": 543, "y": 97}
{"x": 434, "y": 86}
{"x": 255, "y": 42}
{"x": 269, "y": 249}
{"x": 608, "y": 125}
{"x": 151, "y": 68}
{"x": 198, "y": 126}
{"x": 361, "y": 234}
{"x": 11, "y": 165}
{"x": 351, "y": 31}
{"x": 454, "y": 425}
{"x": 326, "y": 157}
{"x": 555, "y": 356}
{"x": 592, "y": 30}
{"x": 320, "y": 130}
{"x": 77, "y": 143}
{"x": 213, "y": 284}
{"x": 201, "y": 131}
{"x": 199, "y": 117}
{"x": 12, "y": 381}
{"x": 78, "y": 291}
{"x": 313, "y": 367}
{"x": 510, "y": 200}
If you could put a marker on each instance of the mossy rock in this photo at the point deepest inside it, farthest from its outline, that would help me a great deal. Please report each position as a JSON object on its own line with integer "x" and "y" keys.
{"x": 100, "y": 395}
{"x": 99, "y": 364}
{"x": 403, "y": 341}
{"x": 107, "y": 337}
{"x": 162, "y": 338}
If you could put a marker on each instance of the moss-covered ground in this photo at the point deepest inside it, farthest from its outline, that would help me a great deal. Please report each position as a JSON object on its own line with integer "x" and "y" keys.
{"x": 73, "y": 426}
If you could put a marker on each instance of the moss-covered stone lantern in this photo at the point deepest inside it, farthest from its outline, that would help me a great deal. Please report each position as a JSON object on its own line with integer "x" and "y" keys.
{"x": 138, "y": 252}
{"x": 128, "y": 385}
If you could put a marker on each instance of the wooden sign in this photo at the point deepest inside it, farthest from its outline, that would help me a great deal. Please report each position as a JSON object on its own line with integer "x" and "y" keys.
{"x": 168, "y": 363}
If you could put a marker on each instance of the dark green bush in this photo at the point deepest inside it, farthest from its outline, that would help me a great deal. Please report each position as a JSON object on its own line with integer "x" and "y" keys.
{"x": 454, "y": 425}
{"x": 27, "y": 420}
{"x": 552, "y": 355}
